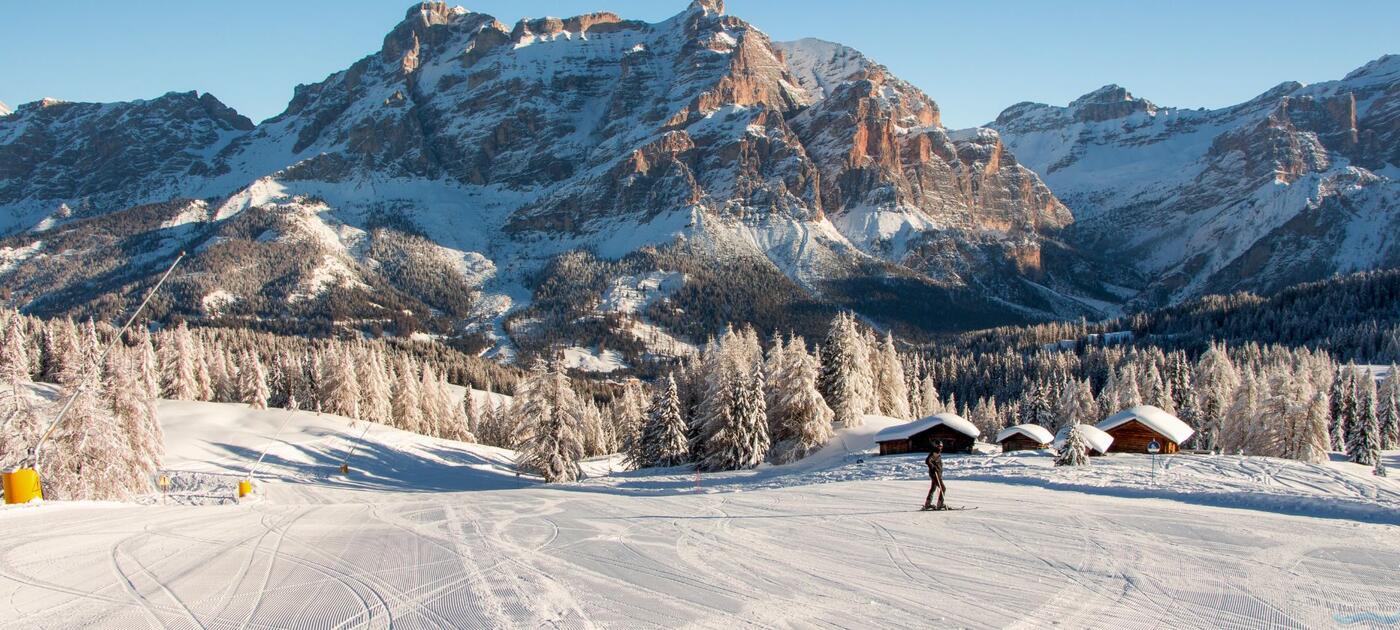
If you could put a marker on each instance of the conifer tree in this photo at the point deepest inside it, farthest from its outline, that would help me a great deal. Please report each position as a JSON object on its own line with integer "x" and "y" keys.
{"x": 739, "y": 438}
{"x": 90, "y": 457}
{"x": 253, "y": 381}
{"x": 551, "y": 444}
{"x": 1075, "y": 450}
{"x": 846, "y": 380}
{"x": 376, "y": 401}
{"x": 1242, "y": 431}
{"x": 14, "y": 361}
{"x": 800, "y": 420}
{"x": 1364, "y": 431}
{"x": 126, "y": 398}
{"x": 891, "y": 392}
{"x": 407, "y": 403}
{"x": 928, "y": 394}
{"x": 340, "y": 389}
{"x": 177, "y": 364}
{"x": 663, "y": 436}
{"x": 1216, "y": 382}
{"x": 1343, "y": 399}
{"x": 1388, "y": 413}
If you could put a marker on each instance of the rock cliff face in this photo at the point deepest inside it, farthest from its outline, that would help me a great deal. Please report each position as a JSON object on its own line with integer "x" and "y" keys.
{"x": 497, "y": 148}
{"x": 1294, "y": 185}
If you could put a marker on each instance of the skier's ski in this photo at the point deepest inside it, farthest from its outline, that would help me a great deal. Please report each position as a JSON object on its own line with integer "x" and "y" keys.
{"x": 948, "y": 509}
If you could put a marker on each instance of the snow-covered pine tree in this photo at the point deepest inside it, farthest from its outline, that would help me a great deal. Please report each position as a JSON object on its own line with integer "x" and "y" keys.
{"x": 340, "y": 388}
{"x": 1216, "y": 382}
{"x": 1075, "y": 451}
{"x": 928, "y": 392}
{"x": 90, "y": 457}
{"x": 548, "y": 411}
{"x": 177, "y": 364}
{"x": 204, "y": 384}
{"x": 471, "y": 412}
{"x": 407, "y": 401}
{"x": 126, "y": 398}
{"x": 891, "y": 392}
{"x": 1243, "y": 430}
{"x": 252, "y": 381}
{"x": 436, "y": 408}
{"x": 1159, "y": 393}
{"x": 19, "y": 424}
{"x": 150, "y": 451}
{"x": 591, "y": 428}
{"x": 775, "y": 374}
{"x": 1342, "y": 397}
{"x": 800, "y": 419}
{"x": 664, "y": 442}
{"x": 724, "y": 370}
{"x": 376, "y": 401}
{"x": 627, "y": 417}
{"x": 846, "y": 381}
{"x": 225, "y": 380}
{"x": 1364, "y": 434}
{"x": 1299, "y": 421}
{"x": 14, "y": 361}
{"x": 1178, "y": 378}
{"x": 1388, "y": 413}
{"x": 739, "y": 439}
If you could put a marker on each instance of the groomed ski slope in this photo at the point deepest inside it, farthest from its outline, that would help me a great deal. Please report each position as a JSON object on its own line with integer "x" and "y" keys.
{"x": 429, "y": 534}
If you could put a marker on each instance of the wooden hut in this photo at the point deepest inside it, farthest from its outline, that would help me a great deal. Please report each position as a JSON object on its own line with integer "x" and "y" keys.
{"x": 1134, "y": 428}
{"x": 956, "y": 434}
{"x": 1024, "y": 437}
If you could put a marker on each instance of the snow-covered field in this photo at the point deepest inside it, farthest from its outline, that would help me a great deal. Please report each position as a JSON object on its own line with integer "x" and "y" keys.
{"x": 427, "y": 533}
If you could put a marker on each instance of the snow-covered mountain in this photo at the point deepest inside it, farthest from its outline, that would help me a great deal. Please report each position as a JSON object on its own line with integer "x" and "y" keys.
{"x": 443, "y": 175}
{"x": 5, "y": 109}
{"x": 1297, "y": 184}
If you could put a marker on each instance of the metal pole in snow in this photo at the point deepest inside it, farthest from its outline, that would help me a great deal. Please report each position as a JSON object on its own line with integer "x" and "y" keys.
{"x": 354, "y": 446}
{"x": 269, "y": 446}
{"x": 102, "y": 360}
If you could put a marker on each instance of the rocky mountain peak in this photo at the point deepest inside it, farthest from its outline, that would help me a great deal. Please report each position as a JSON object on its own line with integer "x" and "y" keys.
{"x": 708, "y": 7}
{"x": 1109, "y": 102}
{"x": 1386, "y": 68}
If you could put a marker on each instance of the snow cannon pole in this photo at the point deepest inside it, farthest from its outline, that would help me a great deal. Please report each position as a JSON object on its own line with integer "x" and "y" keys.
{"x": 345, "y": 463}
{"x": 102, "y": 360}
{"x": 249, "y": 478}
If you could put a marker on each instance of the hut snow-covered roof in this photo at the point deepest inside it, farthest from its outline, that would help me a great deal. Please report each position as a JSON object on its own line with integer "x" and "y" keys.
{"x": 1039, "y": 434}
{"x": 1093, "y": 436}
{"x": 1154, "y": 418}
{"x": 905, "y": 431}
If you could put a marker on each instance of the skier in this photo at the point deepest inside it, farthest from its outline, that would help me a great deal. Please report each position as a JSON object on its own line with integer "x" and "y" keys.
{"x": 934, "y": 461}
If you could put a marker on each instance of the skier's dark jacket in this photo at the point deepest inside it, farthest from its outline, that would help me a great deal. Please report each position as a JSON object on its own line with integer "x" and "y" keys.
{"x": 935, "y": 465}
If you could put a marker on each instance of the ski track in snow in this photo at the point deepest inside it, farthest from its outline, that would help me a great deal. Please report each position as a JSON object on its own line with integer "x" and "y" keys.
{"x": 830, "y": 543}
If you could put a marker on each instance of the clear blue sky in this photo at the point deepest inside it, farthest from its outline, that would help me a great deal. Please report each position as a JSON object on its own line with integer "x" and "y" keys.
{"x": 975, "y": 58}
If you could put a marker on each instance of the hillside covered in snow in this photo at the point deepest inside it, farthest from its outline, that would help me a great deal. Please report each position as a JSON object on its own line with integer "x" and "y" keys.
{"x": 436, "y": 533}
{"x": 442, "y": 182}
{"x": 1295, "y": 185}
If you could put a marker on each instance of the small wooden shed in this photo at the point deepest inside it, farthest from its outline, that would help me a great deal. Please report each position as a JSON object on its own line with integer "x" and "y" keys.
{"x": 955, "y": 433}
{"x": 1136, "y": 427}
{"x": 1024, "y": 437}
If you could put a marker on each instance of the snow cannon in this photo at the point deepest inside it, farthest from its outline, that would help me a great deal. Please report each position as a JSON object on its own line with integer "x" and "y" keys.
{"x": 22, "y": 486}
{"x": 245, "y": 487}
